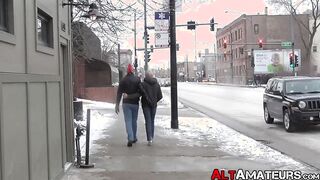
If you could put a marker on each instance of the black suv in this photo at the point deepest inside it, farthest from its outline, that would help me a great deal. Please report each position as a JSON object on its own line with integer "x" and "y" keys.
{"x": 295, "y": 100}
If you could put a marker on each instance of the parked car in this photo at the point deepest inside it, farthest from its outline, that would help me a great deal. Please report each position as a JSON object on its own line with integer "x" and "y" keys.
{"x": 294, "y": 100}
{"x": 164, "y": 82}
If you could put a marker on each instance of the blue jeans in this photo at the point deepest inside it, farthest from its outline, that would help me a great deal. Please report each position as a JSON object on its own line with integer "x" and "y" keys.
{"x": 130, "y": 112}
{"x": 149, "y": 115}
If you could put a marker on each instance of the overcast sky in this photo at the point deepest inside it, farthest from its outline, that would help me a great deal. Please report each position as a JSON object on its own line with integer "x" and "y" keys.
{"x": 200, "y": 11}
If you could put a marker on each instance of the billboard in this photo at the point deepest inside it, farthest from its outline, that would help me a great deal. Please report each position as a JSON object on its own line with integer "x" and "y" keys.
{"x": 274, "y": 61}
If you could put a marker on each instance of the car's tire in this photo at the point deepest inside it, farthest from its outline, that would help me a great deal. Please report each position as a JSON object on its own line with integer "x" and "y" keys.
{"x": 267, "y": 118}
{"x": 289, "y": 126}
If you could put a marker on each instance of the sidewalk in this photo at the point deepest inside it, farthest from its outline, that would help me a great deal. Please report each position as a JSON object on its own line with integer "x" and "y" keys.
{"x": 199, "y": 145}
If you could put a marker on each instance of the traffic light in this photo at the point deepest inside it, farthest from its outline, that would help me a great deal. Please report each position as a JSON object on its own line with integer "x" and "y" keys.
{"x": 151, "y": 48}
{"x": 225, "y": 44}
{"x": 296, "y": 61}
{"x": 291, "y": 60}
{"x": 136, "y": 62}
{"x": 212, "y": 24}
{"x": 147, "y": 56}
{"x": 146, "y": 35}
{"x": 191, "y": 25}
{"x": 260, "y": 43}
{"x": 252, "y": 61}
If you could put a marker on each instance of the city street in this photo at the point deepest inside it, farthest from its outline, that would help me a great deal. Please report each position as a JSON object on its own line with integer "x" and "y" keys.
{"x": 241, "y": 109}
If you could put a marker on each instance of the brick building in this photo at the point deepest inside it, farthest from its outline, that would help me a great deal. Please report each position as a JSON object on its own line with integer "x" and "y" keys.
{"x": 234, "y": 62}
{"x": 93, "y": 77}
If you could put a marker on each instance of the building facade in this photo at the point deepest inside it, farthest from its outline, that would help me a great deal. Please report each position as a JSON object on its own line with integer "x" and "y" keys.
{"x": 125, "y": 59}
{"x": 36, "y": 119}
{"x": 93, "y": 77}
{"x": 190, "y": 71}
{"x": 242, "y": 35}
{"x": 315, "y": 51}
{"x": 209, "y": 63}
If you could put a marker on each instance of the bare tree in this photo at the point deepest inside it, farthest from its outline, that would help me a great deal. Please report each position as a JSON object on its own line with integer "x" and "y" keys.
{"x": 117, "y": 17}
{"x": 294, "y": 8}
{"x": 116, "y": 25}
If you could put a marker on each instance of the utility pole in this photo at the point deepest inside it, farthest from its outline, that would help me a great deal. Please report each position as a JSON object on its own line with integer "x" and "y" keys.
{"x": 187, "y": 67}
{"x": 135, "y": 43}
{"x": 195, "y": 45}
{"x": 145, "y": 37}
{"x": 292, "y": 38}
{"x": 173, "y": 60}
{"x": 119, "y": 62}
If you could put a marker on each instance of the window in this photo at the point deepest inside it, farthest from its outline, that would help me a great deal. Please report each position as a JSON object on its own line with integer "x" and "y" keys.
{"x": 314, "y": 48}
{"x": 44, "y": 29}
{"x": 3, "y": 15}
{"x": 256, "y": 28}
{"x": 236, "y": 35}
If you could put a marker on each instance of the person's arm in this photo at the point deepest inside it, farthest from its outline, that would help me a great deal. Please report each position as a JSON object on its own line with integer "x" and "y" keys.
{"x": 159, "y": 94}
{"x": 131, "y": 96}
{"x": 119, "y": 94}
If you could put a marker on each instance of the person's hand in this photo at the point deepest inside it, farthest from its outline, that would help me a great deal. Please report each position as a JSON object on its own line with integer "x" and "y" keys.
{"x": 125, "y": 95}
{"x": 117, "y": 109}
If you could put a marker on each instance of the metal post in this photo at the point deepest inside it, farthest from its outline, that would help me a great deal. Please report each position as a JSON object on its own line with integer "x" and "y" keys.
{"x": 294, "y": 60}
{"x": 135, "y": 43}
{"x": 78, "y": 148}
{"x": 292, "y": 36}
{"x": 119, "y": 62}
{"x": 173, "y": 60}
{"x": 195, "y": 45}
{"x": 187, "y": 68}
{"x": 145, "y": 37}
{"x": 87, "y": 165}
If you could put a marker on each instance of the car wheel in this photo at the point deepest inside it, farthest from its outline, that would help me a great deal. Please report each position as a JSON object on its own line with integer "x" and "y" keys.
{"x": 287, "y": 122}
{"x": 267, "y": 118}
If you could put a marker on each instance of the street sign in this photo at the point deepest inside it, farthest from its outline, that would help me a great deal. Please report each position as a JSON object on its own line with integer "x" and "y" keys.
{"x": 161, "y": 39}
{"x": 286, "y": 44}
{"x": 161, "y": 22}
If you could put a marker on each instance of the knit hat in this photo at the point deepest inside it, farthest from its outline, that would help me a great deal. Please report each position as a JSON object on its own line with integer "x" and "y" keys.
{"x": 130, "y": 69}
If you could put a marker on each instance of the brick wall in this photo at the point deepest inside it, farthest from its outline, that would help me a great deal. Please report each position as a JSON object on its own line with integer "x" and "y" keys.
{"x": 104, "y": 94}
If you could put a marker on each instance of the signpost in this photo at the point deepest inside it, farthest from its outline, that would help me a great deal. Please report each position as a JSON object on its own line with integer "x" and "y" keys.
{"x": 161, "y": 27}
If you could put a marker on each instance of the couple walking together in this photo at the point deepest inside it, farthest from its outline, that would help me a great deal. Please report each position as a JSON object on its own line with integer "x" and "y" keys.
{"x": 130, "y": 90}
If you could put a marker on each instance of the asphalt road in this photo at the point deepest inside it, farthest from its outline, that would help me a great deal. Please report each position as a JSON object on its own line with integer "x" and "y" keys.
{"x": 241, "y": 109}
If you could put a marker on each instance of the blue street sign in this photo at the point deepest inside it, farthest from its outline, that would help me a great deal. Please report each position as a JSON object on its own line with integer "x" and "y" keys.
{"x": 161, "y": 15}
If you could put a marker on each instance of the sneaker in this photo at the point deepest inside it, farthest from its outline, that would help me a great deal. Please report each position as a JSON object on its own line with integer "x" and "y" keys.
{"x": 129, "y": 144}
{"x": 136, "y": 140}
{"x": 149, "y": 143}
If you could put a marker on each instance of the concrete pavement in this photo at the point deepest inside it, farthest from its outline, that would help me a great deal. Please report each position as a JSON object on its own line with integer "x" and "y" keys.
{"x": 175, "y": 154}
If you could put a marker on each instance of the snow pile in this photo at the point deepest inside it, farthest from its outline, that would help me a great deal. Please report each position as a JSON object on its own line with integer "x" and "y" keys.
{"x": 98, "y": 121}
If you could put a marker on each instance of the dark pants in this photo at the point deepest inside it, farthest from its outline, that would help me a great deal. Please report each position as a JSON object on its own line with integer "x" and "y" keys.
{"x": 149, "y": 115}
{"x": 130, "y": 112}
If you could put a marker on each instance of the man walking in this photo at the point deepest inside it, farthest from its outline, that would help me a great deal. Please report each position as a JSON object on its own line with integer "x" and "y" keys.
{"x": 129, "y": 85}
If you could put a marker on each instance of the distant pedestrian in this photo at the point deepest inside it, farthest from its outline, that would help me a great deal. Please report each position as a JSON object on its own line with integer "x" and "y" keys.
{"x": 150, "y": 91}
{"x": 129, "y": 85}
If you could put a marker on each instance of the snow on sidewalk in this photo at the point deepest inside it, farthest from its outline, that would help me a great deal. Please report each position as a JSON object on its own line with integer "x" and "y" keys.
{"x": 200, "y": 131}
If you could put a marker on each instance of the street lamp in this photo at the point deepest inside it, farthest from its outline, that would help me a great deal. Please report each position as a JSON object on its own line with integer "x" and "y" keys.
{"x": 93, "y": 12}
